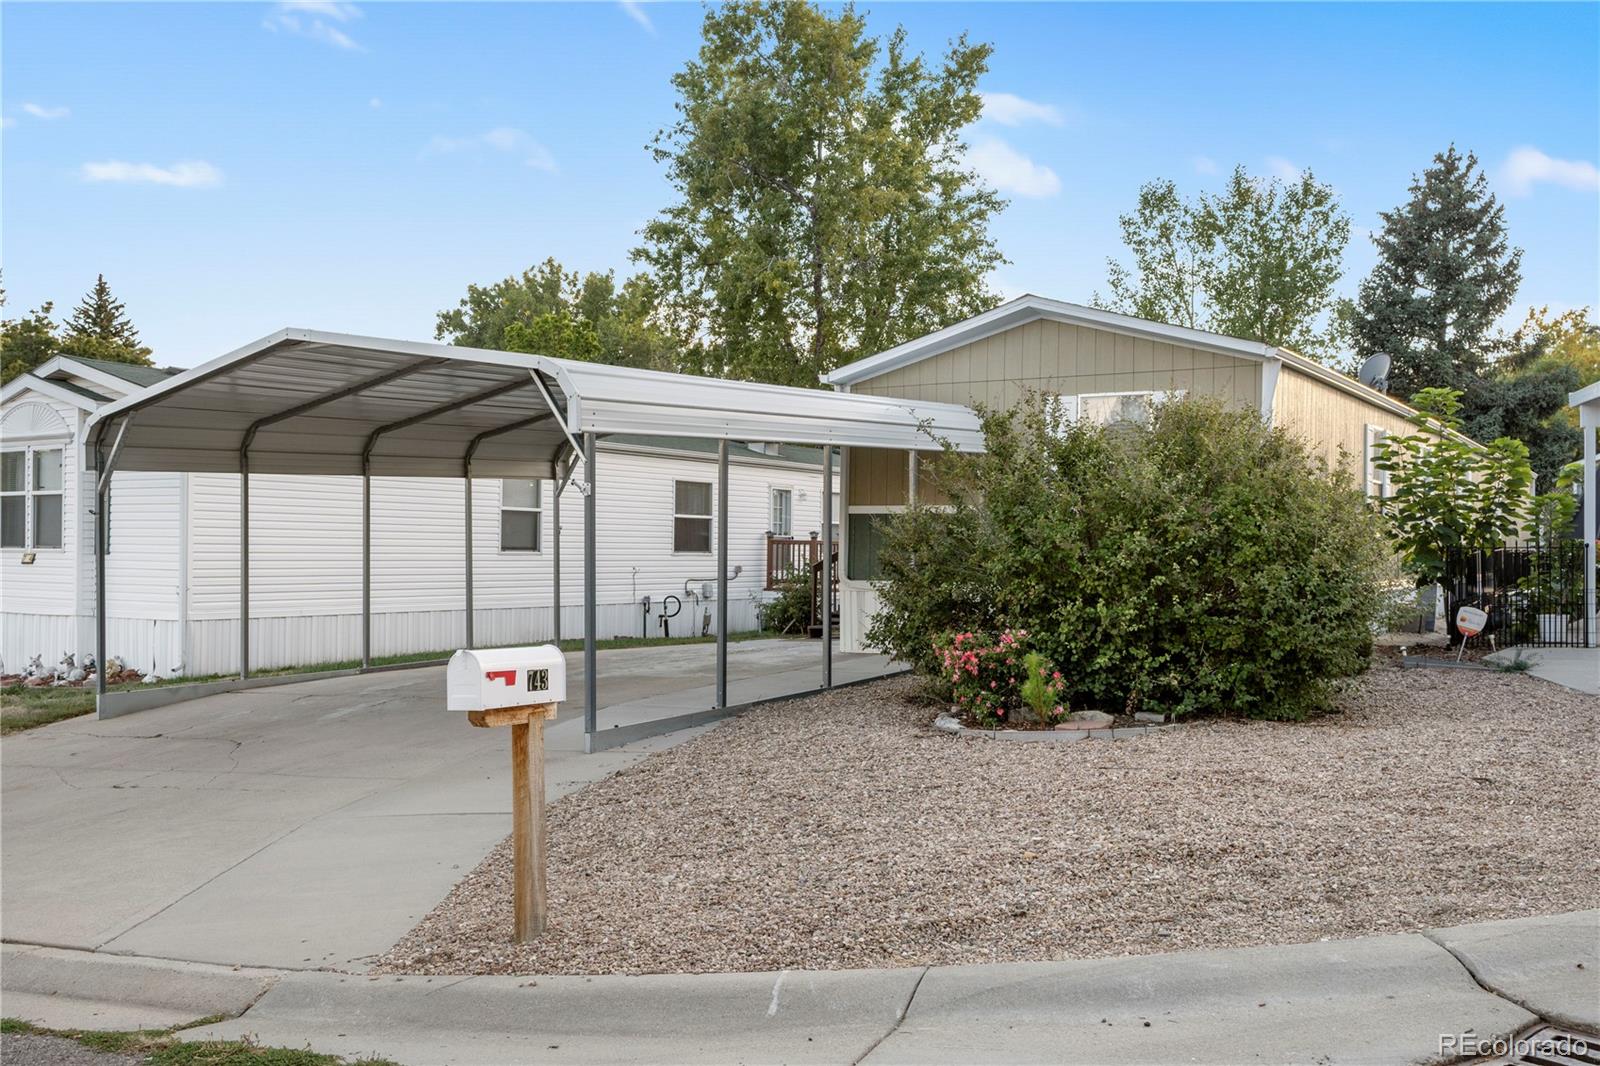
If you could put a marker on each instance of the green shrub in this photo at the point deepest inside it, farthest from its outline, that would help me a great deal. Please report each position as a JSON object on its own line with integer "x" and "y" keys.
{"x": 790, "y": 610}
{"x": 1203, "y": 563}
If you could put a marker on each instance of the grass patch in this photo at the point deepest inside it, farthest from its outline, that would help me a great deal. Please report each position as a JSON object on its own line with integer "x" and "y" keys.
{"x": 162, "y": 1047}
{"x": 22, "y": 707}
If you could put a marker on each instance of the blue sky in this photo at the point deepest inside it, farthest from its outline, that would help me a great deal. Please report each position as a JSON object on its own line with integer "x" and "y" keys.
{"x": 236, "y": 167}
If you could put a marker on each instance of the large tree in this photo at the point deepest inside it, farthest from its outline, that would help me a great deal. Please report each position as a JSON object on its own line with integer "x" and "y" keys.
{"x": 548, "y": 310}
{"x": 1257, "y": 260}
{"x": 1524, "y": 393}
{"x": 1445, "y": 274}
{"x": 98, "y": 328}
{"x": 26, "y": 342}
{"x": 824, "y": 208}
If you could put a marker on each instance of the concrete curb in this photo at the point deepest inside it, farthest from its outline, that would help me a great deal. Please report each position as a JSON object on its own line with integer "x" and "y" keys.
{"x": 130, "y": 701}
{"x": 60, "y": 988}
{"x": 1550, "y": 965}
{"x": 1396, "y": 998}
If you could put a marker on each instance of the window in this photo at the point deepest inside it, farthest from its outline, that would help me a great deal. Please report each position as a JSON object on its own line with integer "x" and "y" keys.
{"x": 519, "y": 516}
{"x": 782, "y": 523}
{"x": 30, "y": 498}
{"x": 866, "y": 540}
{"x": 13, "y": 500}
{"x": 1377, "y": 481}
{"x": 691, "y": 516}
{"x": 1119, "y": 408}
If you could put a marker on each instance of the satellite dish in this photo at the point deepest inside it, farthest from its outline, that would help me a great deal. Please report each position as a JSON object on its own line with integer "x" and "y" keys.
{"x": 1375, "y": 372}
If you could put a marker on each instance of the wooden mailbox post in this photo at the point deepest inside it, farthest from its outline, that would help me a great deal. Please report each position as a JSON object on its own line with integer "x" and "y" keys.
{"x": 520, "y": 688}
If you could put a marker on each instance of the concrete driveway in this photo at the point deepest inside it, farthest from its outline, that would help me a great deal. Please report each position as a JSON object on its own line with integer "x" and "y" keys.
{"x": 306, "y": 825}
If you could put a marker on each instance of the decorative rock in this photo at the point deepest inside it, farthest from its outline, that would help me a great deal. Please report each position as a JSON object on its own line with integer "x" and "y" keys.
{"x": 1089, "y": 719}
{"x": 947, "y": 724}
{"x": 1150, "y": 716}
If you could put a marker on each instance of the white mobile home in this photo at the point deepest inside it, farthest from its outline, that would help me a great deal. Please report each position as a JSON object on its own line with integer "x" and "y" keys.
{"x": 172, "y": 568}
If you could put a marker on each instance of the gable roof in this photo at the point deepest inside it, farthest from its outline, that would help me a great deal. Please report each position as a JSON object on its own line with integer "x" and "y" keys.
{"x": 1032, "y": 308}
{"x": 129, "y": 372}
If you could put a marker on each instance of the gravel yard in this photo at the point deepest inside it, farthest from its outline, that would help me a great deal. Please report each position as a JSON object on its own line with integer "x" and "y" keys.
{"x": 839, "y": 831}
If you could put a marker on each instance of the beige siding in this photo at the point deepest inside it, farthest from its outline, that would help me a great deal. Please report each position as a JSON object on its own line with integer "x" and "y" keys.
{"x": 879, "y": 478}
{"x": 1071, "y": 360}
{"x": 1330, "y": 419}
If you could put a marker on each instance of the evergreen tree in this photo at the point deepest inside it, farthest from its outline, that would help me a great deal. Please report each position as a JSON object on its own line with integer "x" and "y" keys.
{"x": 824, "y": 206}
{"x": 98, "y": 328}
{"x": 1445, "y": 273}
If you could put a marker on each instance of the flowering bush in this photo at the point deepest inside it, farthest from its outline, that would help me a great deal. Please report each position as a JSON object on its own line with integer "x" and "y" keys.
{"x": 989, "y": 678}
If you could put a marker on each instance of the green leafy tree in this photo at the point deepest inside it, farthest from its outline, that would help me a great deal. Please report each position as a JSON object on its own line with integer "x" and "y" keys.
{"x": 548, "y": 310}
{"x": 1451, "y": 495}
{"x": 1257, "y": 260}
{"x": 1445, "y": 273}
{"x": 27, "y": 342}
{"x": 824, "y": 209}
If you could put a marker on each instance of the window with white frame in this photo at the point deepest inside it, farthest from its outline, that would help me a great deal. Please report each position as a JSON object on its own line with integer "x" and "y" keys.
{"x": 781, "y": 523}
{"x": 14, "y": 499}
{"x": 691, "y": 516}
{"x": 1120, "y": 408}
{"x": 30, "y": 498}
{"x": 520, "y": 515}
{"x": 1377, "y": 481}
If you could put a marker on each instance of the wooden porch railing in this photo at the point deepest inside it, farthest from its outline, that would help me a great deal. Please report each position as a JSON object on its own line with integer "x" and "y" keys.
{"x": 789, "y": 557}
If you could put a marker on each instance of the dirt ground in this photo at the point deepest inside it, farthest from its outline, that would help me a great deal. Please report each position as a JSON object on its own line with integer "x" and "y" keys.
{"x": 840, "y": 831}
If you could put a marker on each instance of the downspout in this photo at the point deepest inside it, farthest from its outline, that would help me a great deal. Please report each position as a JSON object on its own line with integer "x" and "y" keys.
{"x": 185, "y": 661}
{"x": 1269, "y": 386}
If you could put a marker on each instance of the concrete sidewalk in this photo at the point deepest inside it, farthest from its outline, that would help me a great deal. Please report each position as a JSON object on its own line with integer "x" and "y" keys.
{"x": 1388, "y": 999}
{"x": 1577, "y": 668}
{"x": 307, "y": 825}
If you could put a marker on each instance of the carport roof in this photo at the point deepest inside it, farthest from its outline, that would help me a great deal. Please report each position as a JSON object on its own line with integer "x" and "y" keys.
{"x": 310, "y": 402}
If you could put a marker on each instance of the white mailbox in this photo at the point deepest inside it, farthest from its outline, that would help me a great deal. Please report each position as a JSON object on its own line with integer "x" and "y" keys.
{"x": 505, "y": 677}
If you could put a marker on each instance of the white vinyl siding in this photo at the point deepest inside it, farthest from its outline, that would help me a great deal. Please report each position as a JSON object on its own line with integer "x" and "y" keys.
{"x": 691, "y": 516}
{"x": 520, "y": 517}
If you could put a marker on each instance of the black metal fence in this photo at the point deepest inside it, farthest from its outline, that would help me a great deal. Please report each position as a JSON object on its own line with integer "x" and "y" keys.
{"x": 1533, "y": 593}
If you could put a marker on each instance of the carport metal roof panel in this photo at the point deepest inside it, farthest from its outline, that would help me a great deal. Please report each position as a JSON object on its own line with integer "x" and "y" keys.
{"x": 309, "y": 402}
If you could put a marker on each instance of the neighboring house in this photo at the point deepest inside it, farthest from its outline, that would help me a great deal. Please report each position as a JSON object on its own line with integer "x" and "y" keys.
{"x": 173, "y": 562}
{"x": 1103, "y": 366}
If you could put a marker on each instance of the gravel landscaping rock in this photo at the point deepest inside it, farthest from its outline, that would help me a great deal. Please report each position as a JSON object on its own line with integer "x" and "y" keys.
{"x": 841, "y": 831}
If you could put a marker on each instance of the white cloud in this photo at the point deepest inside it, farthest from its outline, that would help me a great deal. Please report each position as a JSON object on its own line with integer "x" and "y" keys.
{"x": 1204, "y": 164}
{"x": 1010, "y": 171}
{"x": 315, "y": 19}
{"x": 1526, "y": 167}
{"x": 506, "y": 139}
{"x": 637, "y": 13}
{"x": 1008, "y": 109}
{"x": 48, "y": 114}
{"x": 375, "y": 103}
{"x": 193, "y": 174}
{"x": 1280, "y": 167}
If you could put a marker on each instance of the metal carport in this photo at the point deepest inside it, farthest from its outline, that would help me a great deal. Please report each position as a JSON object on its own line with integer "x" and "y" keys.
{"x": 309, "y": 402}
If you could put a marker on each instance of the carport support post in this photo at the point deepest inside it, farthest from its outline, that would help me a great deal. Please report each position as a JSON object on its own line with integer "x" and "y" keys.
{"x": 825, "y": 593}
{"x": 555, "y": 553}
{"x": 590, "y": 691}
{"x": 101, "y": 496}
{"x": 466, "y": 496}
{"x": 366, "y": 565}
{"x": 722, "y": 573}
{"x": 244, "y": 566}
